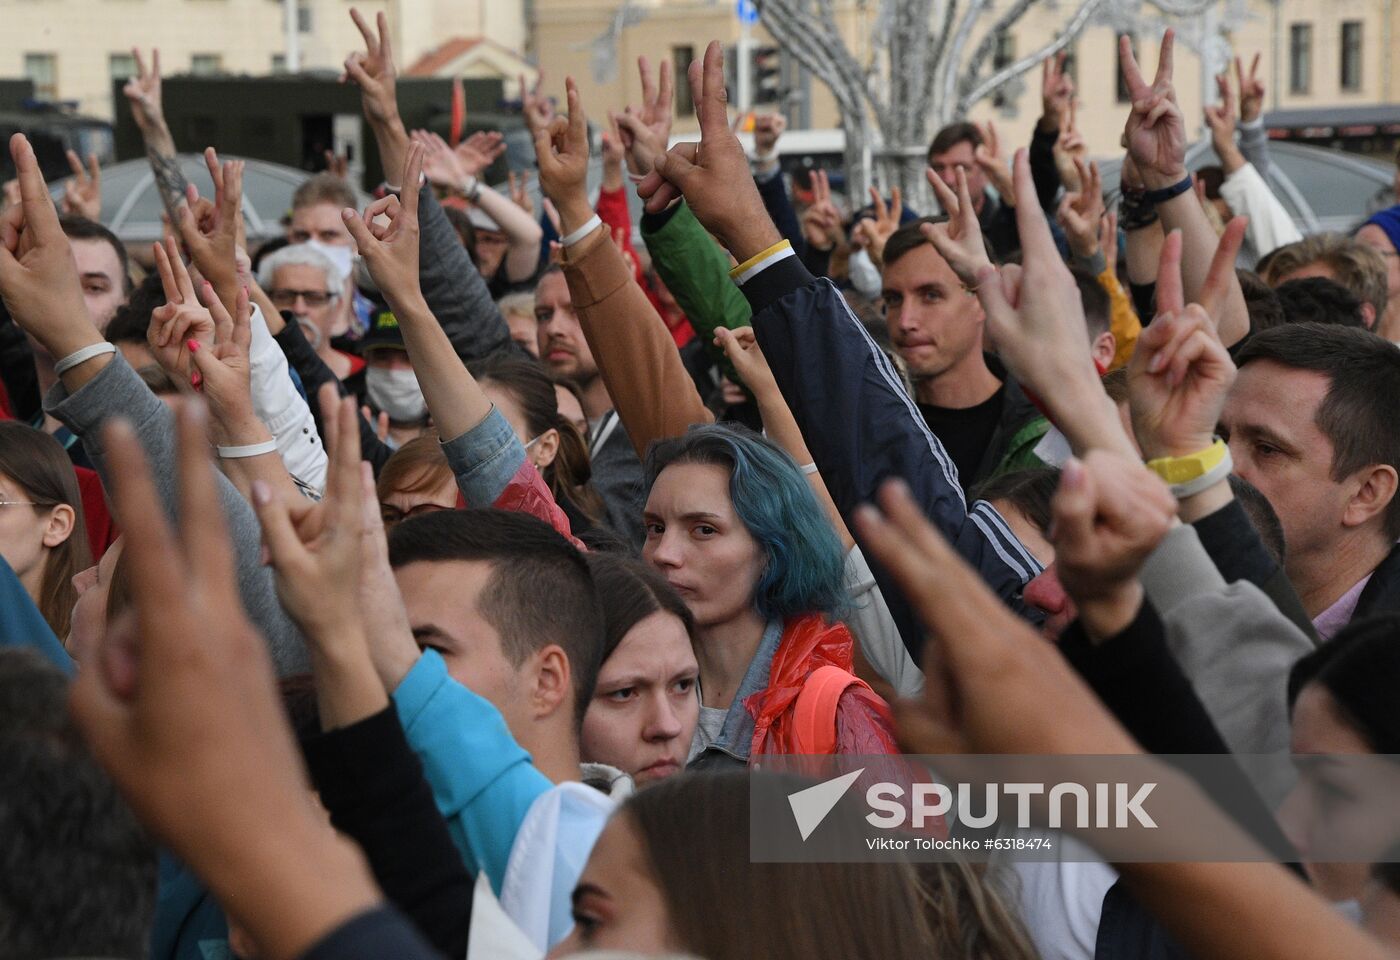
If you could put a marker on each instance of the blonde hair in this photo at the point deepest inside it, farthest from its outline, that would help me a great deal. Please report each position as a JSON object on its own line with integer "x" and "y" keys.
{"x": 1354, "y": 265}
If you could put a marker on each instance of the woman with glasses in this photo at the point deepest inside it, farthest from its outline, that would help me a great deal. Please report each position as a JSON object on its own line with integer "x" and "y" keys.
{"x": 416, "y": 480}
{"x": 301, "y": 280}
{"x": 42, "y": 536}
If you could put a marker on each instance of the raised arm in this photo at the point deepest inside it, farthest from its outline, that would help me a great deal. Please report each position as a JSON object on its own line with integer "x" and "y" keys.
{"x": 636, "y": 355}
{"x": 1156, "y": 139}
{"x": 859, "y": 423}
{"x": 39, "y": 282}
{"x": 143, "y": 91}
{"x": 450, "y": 283}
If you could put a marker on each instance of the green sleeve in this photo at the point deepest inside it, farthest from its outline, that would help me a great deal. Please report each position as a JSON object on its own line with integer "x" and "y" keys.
{"x": 696, "y": 270}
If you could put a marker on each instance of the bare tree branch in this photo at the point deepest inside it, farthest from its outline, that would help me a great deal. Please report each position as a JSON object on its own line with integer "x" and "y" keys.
{"x": 1002, "y": 77}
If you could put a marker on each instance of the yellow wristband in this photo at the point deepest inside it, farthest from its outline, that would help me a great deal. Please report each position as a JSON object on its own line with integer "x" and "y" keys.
{"x": 757, "y": 258}
{"x": 1176, "y": 470}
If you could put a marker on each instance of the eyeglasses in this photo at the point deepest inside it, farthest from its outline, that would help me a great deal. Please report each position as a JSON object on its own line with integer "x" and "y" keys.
{"x": 313, "y": 298}
{"x": 391, "y": 514}
{"x": 22, "y": 503}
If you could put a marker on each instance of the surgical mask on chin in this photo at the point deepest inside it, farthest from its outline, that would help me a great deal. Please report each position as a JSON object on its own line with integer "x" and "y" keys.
{"x": 396, "y": 393}
{"x": 342, "y": 257}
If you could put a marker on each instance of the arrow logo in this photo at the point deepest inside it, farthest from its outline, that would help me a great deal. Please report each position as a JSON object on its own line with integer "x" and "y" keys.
{"x": 810, "y": 806}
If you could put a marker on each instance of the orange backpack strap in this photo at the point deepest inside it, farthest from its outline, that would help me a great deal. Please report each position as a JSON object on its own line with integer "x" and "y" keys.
{"x": 814, "y": 712}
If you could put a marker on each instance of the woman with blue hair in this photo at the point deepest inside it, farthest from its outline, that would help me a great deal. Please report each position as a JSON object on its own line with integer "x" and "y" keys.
{"x": 734, "y": 528}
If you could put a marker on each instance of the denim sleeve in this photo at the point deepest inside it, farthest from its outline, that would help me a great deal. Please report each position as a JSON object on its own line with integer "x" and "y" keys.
{"x": 484, "y": 459}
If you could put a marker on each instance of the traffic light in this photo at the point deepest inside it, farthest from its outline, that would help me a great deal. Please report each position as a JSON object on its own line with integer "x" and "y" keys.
{"x": 765, "y": 68}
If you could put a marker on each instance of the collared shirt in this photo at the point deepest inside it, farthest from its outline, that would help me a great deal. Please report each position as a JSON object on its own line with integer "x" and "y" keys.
{"x": 736, "y": 735}
{"x": 1329, "y": 622}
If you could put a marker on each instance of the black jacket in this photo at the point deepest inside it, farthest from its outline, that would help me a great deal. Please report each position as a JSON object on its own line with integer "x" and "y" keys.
{"x": 1382, "y": 594}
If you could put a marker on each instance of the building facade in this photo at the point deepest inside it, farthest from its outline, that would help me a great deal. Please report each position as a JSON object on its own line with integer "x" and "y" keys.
{"x": 1330, "y": 66}
{"x": 74, "y": 49}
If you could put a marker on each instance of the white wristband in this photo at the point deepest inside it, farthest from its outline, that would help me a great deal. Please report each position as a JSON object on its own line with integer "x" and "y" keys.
{"x": 808, "y": 468}
{"x": 594, "y": 222}
{"x": 471, "y": 187}
{"x": 83, "y": 355}
{"x": 248, "y": 450}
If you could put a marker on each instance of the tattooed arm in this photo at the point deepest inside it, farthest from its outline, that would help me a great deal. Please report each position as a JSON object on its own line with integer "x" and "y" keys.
{"x": 143, "y": 92}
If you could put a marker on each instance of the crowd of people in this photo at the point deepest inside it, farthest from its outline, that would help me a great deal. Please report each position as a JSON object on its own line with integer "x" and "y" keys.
{"x": 431, "y": 582}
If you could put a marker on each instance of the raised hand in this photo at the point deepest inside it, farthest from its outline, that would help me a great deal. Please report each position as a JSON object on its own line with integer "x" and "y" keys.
{"x": 741, "y": 347}
{"x": 767, "y": 129}
{"x": 537, "y": 110}
{"x": 180, "y": 706}
{"x": 337, "y": 164}
{"x": 959, "y": 239}
{"x": 1109, "y": 514}
{"x": 38, "y": 278}
{"x": 1069, "y": 146}
{"x": 213, "y": 232}
{"x": 1181, "y": 373}
{"x": 373, "y": 71}
{"x": 561, "y": 152}
{"x": 518, "y": 194}
{"x": 874, "y": 232}
{"x": 821, "y": 221}
{"x": 713, "y": 175}
{"x": 1081, "y": 212}
{"x": 1035, "y": 318}
{"x": 1056, "y": 93}
{"x": 1155, "y": 134}
{"x": 1251, "y": 90}
{"x": 479, "y": 151}
{"x": 440, "y": 164}
{"x": 993, "y": 164}
{"x": 181, "y": 324}
{"x": 390, "y": 251}
{"x": 143, "y": 92}
{"x": 646, "y": 130}
{"x": 223, "y": 371}
{"x": 1220, "y": 118}
{"x": 82, "y": 195}
{"x": 991, "y": 685}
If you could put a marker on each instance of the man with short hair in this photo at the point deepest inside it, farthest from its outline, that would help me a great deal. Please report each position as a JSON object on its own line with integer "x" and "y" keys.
{"x": 1382, "y": 234}
{"x": 1335, "y": 256}
{"x": 79, "y": 871}
{"x": 956, "y": 146}
{"x": 563, "y": 348}
{"x": 965, "y": 395}
{"x": 511, "y": 632}
{"x": 1311, "y": 423}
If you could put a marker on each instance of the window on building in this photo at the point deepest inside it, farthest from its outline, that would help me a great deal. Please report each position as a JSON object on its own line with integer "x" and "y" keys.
{"x": 279, "y": 63}
{"x": 681, "y": 58}
{"x": 42, "y": 70}
{"x": 206, "y": 64}
{"x": 303, "y": 18}
{"x": 121, "y": 66}
{"x": 1351, "y": 55}
{"x": 1300, "y": 58}
{"x": 1124, "y": 94}
{"x": 1003, "y": 55}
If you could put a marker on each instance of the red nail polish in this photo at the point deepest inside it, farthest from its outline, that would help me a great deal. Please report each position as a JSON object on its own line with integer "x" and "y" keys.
{"x": 193, "y": 345}
{"x": 197, "y": 380}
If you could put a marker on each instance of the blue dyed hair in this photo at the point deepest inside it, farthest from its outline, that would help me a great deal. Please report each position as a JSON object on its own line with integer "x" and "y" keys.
{"x": 804, "y": 566}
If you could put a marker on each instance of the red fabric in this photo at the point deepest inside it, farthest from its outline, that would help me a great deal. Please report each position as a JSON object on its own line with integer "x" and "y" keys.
{"x": 863, "y": 722}
{"x": 612, "y": 210}
{"x": 101, "y": 531}
{"x": 6, "y": 411}
{"x": 356, "y": 363}
{"x": 528, "y": 493}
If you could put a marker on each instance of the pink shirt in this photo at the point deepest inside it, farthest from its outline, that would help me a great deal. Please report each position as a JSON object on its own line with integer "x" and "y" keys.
{"x": 1330, "y": 621}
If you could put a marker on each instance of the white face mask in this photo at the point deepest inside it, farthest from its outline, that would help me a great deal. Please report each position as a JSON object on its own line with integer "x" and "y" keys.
{"x": 342, "y": 257}
{"x": 396, "y": 393}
